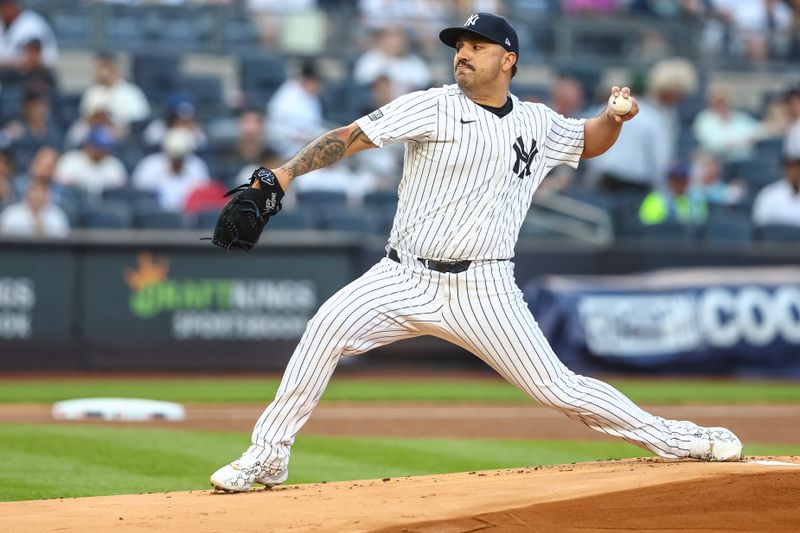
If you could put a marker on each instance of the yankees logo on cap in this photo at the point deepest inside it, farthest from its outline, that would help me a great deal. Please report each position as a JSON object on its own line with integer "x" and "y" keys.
{"x": 487, "y": 25}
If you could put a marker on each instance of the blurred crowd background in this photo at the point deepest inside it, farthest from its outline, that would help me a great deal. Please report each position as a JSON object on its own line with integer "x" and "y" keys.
{"x": 139, "y": 115}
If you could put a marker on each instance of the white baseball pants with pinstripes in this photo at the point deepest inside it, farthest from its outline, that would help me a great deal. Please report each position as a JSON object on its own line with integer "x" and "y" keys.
{"x": 481, "y": 310}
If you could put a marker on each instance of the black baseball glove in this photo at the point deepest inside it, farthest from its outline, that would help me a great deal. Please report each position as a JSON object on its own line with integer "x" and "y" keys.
{"x": 243, "y": 219}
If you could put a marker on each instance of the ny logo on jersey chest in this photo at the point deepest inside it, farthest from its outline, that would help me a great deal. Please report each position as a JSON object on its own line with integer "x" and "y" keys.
{"x": 522, "y": 166}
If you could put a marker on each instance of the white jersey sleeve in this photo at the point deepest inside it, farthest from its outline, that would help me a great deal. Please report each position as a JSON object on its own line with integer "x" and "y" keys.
{"x": 564, "y": 144}
{"x": 411, "y": 117}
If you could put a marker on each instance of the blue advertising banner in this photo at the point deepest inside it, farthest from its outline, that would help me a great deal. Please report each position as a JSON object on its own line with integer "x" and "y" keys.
{"x": 703, "y": 321}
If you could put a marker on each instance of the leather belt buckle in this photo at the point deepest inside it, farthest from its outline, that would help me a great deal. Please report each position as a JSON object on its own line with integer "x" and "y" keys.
{"x": 447, "y": 267}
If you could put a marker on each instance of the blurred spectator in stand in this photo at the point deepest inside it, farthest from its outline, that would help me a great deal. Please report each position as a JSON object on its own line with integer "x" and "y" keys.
{"x": 640, "y": 159}
{"x": 674, "y": 204}
{"x": 294, "y": 113}
{"x": 7, "y": 168}
{"x": 266, "y": 15}
{"x": 779, "y": 202}
{"x": 20, "y": 27}
{"x": 126, "y": 101}
{"x": 35, "y": 216}
{"x": 707, "y": 184}
{"x": 392, "y": 58}
{"x": 670, "y": 9}
{"x": 92, "y": 167}
{"x": 423, "y": 18}
{"x": 588, "y": 7}
{"x": 31, "y": 74}
{"x": 380, "y": 92}
{"x": 383, "y": 166}
{"x": 180, "y": 112}
{"x": 42, "y": 169}
{"x": 246, "y": 151}
{"x": 36, "y": 129}
{"x": 465, "y": 8}
{"x": 173, "y": 172}
{"x": 95, "y": 113}
{"x": 753, "y": 28}
{"x": 208, "y": 196}
{"x": 792, "y": 139}
{"x": 793, "y": 52}
{"x": 567, "y": 99}
{"x": 726, "y": 132}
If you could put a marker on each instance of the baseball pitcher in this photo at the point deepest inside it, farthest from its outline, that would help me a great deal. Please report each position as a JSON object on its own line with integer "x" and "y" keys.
{"x": 474, "y": 155}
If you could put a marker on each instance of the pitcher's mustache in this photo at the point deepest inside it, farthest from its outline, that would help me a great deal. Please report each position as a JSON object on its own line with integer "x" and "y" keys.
{"x": 463, "y": 62}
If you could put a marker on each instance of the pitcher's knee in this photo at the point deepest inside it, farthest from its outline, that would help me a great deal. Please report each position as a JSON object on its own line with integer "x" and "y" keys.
{"x": 559, "y": 394}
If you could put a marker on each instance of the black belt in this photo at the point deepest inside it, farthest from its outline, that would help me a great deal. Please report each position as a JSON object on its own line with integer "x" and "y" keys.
{"x": 452, "y": 267}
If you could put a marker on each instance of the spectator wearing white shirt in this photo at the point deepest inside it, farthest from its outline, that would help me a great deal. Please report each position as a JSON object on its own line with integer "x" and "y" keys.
{"x": 756, "y": 26}
{"x": 92, "y": 167}
{"x": 267, "y": 15}
{"x": 95, "y": 113}
{"x": 294, "y": 113}
{"x": 36, "y": 216}
{"x": 172, "y": 173}
{"x": 726, "y": 132}
{"x": 126, "y": 101}
{"x": 391, "y": 57}
{"x": 21, "y": 26}
{"x": 791, "y": 143}
{"x": 640, "y": 159}
{"x": 180, "y": 112}
{"x": 7, "y": 167}
{"x": 424, "y": 18}
{"x": 779, "y": 202}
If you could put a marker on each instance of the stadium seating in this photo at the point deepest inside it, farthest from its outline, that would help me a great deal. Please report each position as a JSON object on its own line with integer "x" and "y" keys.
{"x": 293, "y": 220}
{"x": 778, "y": 233}
{"x": 73, "y": 27}
{"x": 110, "y": 215}
{"x": 206, "y": 93}
{"x": 350, "y": 221}
{"x": 134, "y": 199}
{"x": 157, "y": 219}
{"x": 670, "y": 231}
{"x": 727, "y": 230}
{"x": 239, "y": 34}
{"x": 322, "y": 200}
{"x": 381, "y": 200}
{"x": 206, "y": 219}
{"x": 260, "y": 76}
{"x": 156, "y": 74}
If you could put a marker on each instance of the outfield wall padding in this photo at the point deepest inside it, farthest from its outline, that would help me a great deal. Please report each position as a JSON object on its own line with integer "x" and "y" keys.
{"x": 167, "y": 300}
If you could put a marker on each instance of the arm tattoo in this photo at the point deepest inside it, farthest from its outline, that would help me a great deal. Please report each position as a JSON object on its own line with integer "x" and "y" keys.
{"x": 327, "y": 149}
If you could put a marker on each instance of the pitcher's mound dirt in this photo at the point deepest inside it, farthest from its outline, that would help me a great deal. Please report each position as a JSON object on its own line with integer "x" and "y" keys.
{"x": 619, "y": 495}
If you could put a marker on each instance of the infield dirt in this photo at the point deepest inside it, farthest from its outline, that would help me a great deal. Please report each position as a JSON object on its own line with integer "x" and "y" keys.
{"x": 634, "y": 494}
{"x": 764, "y": 424}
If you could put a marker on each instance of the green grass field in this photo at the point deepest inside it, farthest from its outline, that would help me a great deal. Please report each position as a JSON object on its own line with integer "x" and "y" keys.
{"x": 50, "y": 461}
{"x": 58, "y": 461}
{"x": 224, "y": 390}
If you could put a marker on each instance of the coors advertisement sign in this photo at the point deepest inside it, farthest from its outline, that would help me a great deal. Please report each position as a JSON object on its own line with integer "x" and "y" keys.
{"x": 725, "y": 321}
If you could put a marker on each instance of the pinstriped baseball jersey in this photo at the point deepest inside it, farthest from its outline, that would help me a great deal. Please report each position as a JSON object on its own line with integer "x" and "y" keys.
{"x": 468, "y": 180}
{"x": 469, "y": 175}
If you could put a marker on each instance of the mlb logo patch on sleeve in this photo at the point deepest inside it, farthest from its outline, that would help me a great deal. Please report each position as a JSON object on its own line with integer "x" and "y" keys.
{"x": 375, "y": 115}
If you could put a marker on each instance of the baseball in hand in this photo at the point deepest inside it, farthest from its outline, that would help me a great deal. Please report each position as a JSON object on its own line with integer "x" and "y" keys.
{"x": 619, "y": 104}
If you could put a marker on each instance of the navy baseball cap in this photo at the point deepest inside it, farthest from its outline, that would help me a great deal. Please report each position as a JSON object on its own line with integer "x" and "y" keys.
{"x": 102, "y": 138}
{"x": 492, "y": 27}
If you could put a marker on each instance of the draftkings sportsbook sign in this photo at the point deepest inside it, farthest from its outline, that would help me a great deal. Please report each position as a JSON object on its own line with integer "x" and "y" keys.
{"x": 150, "y": 296}
{"x": 17, "y": 301}
{"x": 219, "y": 308}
